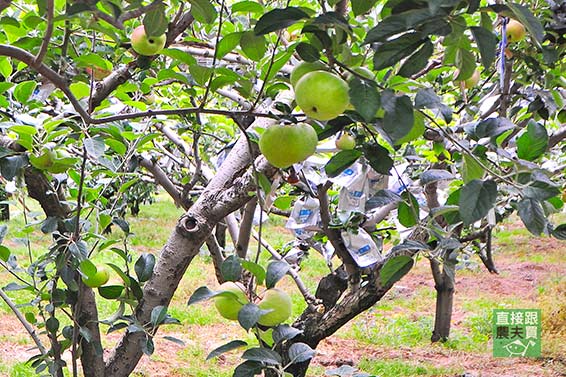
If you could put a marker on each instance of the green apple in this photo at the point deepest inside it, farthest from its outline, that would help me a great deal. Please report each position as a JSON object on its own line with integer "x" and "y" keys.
{"x": 229, "y": 306}
{"x": 322, "y": 95}
{"x": 279, "y": 303}
{"x": 144, "y": 45}
{"x": 364, "y": 72}
{"x": 473, "y": 80}
{"x": 98, "y": 279}
{"x": 515, "y": 31}
{"x": 303, "y": 68}
{"x": 286, "y": 144}
{"x": 345, "y": 142}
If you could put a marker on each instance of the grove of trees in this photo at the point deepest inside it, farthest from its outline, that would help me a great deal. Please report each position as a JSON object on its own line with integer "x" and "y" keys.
{"x": 456, "y": 125}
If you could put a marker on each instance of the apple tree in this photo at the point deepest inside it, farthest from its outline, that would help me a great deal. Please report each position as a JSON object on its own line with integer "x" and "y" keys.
{"x": 448, "y": 118}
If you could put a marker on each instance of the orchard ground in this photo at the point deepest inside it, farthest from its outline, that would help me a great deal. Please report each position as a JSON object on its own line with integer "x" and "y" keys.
{"x": 391, "y": 339}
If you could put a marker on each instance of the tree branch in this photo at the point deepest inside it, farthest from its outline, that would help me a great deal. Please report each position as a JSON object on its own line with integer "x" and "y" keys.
{"x": 48, "y": 33}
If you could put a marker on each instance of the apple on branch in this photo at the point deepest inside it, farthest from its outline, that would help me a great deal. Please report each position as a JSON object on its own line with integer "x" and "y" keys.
{"x": 322, "y": 95}
{"x": 144, "y": 45}
{"x": 286, "y": 144}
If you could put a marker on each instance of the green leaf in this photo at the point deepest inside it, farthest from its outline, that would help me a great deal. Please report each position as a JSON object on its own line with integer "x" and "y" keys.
{"x": 253, "y": 46}
{"x": 257, "y": 270}
{"x": 284, "y": 332}
{"x": 408, "y": 210}
{"x": 395, "y": 268}
{"x": 148, "y": 347}
{"x": 378, "y": 158}
{"x": 4, "y": 253}
{"x": 284, "y": 202}
{"x": 95, "y": 147}
{"x": 466, "y": 64}
{"x": 531, "y": 213}
{"x": 228, "y": 44}
{"x": 278, "y": 19}
{"x": 275, "y": 272}
{"x": 365, "y": 97}
{"x": 487, "y": 44}
{"x": 200, "y": 74}
{"x": 427, "y": 98}
{"x": 249, "y": 315}
{"x": 533, "y": 142}
{"x": 360, "y": 7}
{"x": 52, "y": 325}
{"x": 158, "y": 315}
{"x": 247, "y": 7}
{"x": 144, "y": 267}
{"x": 248, "y": 369}
{"x": 417, "y": 61}
{"x": 155, "y": 21}
{"x": 476, "y": 199}
{"x": 340, "y": 161}
{"x": 203, "y": 11}
{"x": 87, "y": 268}
{"x": 23, "y": 91}
{"x": 232, "y": 345}
{"x": 391, "y": 52}
{"x": 181, "y": 56}
{"x": 399, "y": 117}
{"x": 111, "y": 292}
{"x": 201, "y": 294}
{"x": 524, "y": 15}
{"x": 5, "y": 67}
{"x": 471, "y": 169}
{"x": 307, "y": 52}
{"x": 300, "y": 352}
{"x": 231, "y": 268}
{"x": 262, "y": 355}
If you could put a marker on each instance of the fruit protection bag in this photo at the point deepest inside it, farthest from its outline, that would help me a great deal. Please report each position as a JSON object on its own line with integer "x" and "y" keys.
{"x": 305, "y": 216}
{"x": 361, "y": 247}
{"x": 354, "y": 195}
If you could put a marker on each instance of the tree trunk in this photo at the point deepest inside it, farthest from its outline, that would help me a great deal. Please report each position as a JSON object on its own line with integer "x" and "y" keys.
{"x": 444, "y": 285}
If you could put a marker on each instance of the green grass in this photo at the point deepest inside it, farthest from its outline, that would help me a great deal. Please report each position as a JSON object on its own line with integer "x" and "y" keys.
{"x": 399, "y": 368}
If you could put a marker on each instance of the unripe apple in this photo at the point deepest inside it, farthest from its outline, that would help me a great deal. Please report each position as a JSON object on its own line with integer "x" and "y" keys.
{"x": 322, "y": 95}
{"x": 144, "y": 45}
{"x": 285, "y": 145}
{"x": 364, "y": 72}
{"x": 471, "y": 81}
{"x": 345, "y": 142}
{"x": 98, "y": 279}
{"x": 515, "y": 31}
{"x": 279, "y": 303}
{"x": 229, "y": 306}
{"x": 303, "y": 68}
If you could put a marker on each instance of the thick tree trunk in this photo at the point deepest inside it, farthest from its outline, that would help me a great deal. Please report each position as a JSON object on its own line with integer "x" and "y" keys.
{"x": 444, "y": 285}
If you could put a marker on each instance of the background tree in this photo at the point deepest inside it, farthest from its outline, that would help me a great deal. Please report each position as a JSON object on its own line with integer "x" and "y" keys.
{"x": 84, "y": 116}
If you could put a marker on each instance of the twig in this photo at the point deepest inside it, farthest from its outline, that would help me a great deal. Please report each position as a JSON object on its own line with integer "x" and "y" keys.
{"x": 48, "y": 33}
{"x": 31, "y": 331}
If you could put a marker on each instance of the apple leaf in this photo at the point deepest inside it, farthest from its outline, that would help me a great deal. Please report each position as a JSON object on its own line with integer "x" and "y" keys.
{"x": 390, "y": 52}
{"x": 532, "y": 214}
{"x": 378, "y": 158}
{"x": 232, "y": 345}
{"x": 471, "y": 169}
{"x": 4, "y": 253}
{"x": 256, "y": 270}
{"x": 560, "y": 232}
{"x": 247, "y": 7}
{"x": 231, "y": 268}
{"x": 487, "y": 44}
{"x": 433, "y": 175}
{"x": 278, "y": 19}
{"x": 408, "y": 210}
{"x": 253, "y": 46}
{"x": 533, "y": 142}
{"x": 228, "y": 44}
{"x": 263, "y": 355}
{"x": 248, "y": 369}
{"x": 158, "y": 315}
{"x": 249, "y": 315}
{"x": 284, "y": 332}
{"x": 144, "y": 266}
{"x": 155, "y": 21}
{"x": 203, "y": 11}
{"x": 427, "y": 98}
{"x": 382, "y": 198}
{"x": 275, "y": 272}
{"x": 307, "y": 52}
{"x": 466, "y": 63}
{"x": 111, "y": 292}
{"x": 395, "y": 268}
{"x": 418, "y": 60}
{"x": 340, "y": 162}
{"x": 365, "y": 97}
{"x": 300, "y": 352}
{"x": 360, "y": 7}
{"x": 399, "y": 117}
{"x": 476, "y": 199}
